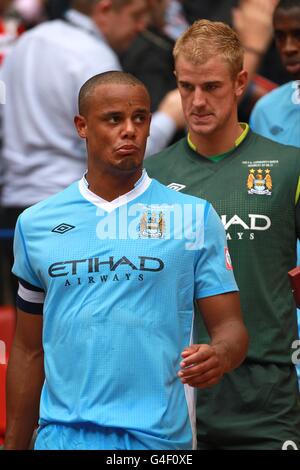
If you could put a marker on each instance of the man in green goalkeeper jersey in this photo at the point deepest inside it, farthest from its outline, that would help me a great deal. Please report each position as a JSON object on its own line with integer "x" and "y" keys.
{"x": 254, "y": 185}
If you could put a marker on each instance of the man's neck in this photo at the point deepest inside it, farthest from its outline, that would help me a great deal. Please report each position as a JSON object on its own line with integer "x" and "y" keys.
{"x": 110, "y": 186}
{"x": 218, "y": 143}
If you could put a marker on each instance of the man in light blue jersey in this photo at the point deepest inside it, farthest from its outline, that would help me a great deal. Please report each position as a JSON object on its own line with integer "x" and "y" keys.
{"x": 108, "y": 271}
{"x": 277, "y": 115}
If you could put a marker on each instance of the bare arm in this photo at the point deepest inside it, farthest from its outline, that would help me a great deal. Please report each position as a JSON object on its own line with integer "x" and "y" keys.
{"x": 253, "y": 21}
{"x": 172, "y": 107}
{"x": 25, "y": 377}
{"x": 204, "y": 365}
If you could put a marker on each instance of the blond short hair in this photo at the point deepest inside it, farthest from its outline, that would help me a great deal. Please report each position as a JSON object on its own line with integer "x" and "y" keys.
{"x": 205, "y": 39}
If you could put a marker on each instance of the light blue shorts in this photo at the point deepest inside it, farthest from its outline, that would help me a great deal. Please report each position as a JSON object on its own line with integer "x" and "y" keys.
{"x": 91, "y": 437}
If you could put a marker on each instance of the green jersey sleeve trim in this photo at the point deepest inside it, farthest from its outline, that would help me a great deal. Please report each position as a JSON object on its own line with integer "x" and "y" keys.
{"x": 297, "y": 192}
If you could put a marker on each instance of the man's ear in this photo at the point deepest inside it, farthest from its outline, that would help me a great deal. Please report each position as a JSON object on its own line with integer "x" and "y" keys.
{"x": 100, "y": 12}
{"x": 150, "y": 119}
{"x": 241, "y": 83}
{"x": 104, "y": 5}
{"x": 81, "y": 126}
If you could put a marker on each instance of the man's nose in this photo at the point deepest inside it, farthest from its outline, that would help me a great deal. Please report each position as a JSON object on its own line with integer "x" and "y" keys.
{"x": 128, "y": 128}
{"x": 290, "y": 46}
{"x": 199, "y": 97}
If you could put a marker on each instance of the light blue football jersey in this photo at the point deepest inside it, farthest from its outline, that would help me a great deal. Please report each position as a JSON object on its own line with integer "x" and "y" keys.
{"x": 120, "y": 279}
{"x": 277, "y": 114}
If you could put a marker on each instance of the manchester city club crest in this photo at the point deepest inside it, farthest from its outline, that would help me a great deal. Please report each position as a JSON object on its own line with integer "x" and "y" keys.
{"x": 152, "y": 224}
{"x": 259, "y": 182}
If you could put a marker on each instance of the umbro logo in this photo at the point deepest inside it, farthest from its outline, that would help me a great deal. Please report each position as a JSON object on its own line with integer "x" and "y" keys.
{"x": 63, "y": 228}
{"x": 176, "y": 186}
{"x": 275, "y": 130}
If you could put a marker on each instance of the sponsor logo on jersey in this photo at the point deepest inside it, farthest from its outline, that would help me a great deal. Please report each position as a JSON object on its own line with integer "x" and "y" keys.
{"x": 245, "y": 228}
{"x": 152, "y": 224}
{"x": 176, "y": 186}
{"x": 255, "y": 222}
{"x": 259, "y": 181}
{"x": 228, "y": 259}
{"x": 95, "y": 265}
{"x": 102, "y": 270}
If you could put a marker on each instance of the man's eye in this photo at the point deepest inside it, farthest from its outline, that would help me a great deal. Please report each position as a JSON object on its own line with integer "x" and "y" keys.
{"x": 186, "y": 86}
{"x": 140, "y": 118}
{"x": 280, "y": 36}
{"x": 113, "y": 119}
{"x": 296, "y": 34}
{"x": 211, "y": 87}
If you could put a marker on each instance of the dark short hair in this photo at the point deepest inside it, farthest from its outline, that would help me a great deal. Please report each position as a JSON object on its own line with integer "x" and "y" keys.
{"x": 113, "y": 77}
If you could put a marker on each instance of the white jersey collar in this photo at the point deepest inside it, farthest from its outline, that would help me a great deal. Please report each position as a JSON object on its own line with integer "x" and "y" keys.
{"x": 139, "y": 188}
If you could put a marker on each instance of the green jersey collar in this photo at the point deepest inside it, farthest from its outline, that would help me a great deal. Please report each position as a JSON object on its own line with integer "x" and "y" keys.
{"x": 220, "y": 156}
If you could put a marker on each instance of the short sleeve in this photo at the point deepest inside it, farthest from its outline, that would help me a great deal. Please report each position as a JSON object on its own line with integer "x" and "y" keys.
{"x": 213, "y": 269}
{"x": 22, "y": 267}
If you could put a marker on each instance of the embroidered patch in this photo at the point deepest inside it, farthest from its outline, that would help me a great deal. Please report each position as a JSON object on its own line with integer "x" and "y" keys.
{"x": 259, "y": 181}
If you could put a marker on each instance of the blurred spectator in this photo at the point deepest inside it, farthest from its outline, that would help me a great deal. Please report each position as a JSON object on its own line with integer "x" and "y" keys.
{"x": 56, "y": 8}
{"x": 10, "y": 28}
{"x": 4, "y": 5}
{"x": 42, "y": 152}
{"x": 277, "y": 115}
{"x": 218, "y": 10}
{"x": 150, "y": 56}
{"x": 252, "y": 20}
{"x": 175, "y": 22}
{"x": 31, "y": 11}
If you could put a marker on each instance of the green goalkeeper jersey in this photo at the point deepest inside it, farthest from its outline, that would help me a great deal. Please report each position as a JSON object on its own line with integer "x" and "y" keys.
{"x": 255, "y": 189}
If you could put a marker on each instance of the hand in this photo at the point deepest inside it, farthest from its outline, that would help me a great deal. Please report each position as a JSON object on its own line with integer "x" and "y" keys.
{"x": 202, "y": 366}
{"x": 253, "y": 22}
{"x": 171, "y": 105}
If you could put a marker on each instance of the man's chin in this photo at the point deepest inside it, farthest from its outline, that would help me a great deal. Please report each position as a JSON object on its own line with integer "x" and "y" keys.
{"x": 127, "y": 167}
{"x": 293, "y": 70}
{"x": 202, "y": 129}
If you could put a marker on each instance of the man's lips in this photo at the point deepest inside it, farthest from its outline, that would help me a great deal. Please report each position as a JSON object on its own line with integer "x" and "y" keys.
{"x": 201, "y": 116}
{"x": 127, "y": 149}
{"x": 292, "y": 67}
